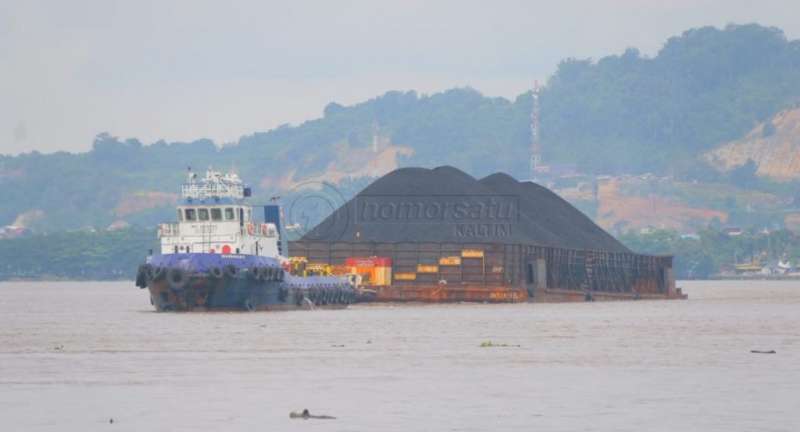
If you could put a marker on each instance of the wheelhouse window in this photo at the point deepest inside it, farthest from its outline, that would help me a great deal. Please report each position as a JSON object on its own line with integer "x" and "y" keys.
{"x": 216, "y": 214}
{"x": 229, "y": 214}
{"x": 191, "y": 215}
{"x": 202, "y": 214}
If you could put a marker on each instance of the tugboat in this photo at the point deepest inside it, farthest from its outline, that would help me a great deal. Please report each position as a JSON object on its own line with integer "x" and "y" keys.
{"x": 218, "y": 256}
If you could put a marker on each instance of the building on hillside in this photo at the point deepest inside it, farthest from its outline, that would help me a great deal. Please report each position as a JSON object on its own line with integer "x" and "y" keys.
{"x": 732, "y": 231}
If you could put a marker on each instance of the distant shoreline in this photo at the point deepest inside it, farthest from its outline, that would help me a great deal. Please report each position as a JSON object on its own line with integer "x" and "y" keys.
{"x": 753, "y": 278}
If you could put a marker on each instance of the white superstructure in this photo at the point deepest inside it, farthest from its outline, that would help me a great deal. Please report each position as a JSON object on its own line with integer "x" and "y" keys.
{"x": 214, "y": 218}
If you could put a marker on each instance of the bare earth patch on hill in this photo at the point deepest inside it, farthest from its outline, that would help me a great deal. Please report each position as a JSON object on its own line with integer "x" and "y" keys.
{"x": 350, "y": 162}
{"x": 616, "y": 210}
{"x": 774, "y": 146}
{"x": 26, "y": 219}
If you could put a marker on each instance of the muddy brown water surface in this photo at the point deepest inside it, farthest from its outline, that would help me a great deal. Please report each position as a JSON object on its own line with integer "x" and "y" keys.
{"x": 74, "y": 355}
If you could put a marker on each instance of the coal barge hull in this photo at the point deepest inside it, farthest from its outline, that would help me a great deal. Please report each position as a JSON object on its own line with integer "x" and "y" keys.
{"x": 441, "y": 235}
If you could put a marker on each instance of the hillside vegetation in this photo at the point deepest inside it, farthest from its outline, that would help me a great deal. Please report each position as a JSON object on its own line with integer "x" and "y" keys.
{"x": 77, "y": 255}
{"x": 704, "y": 88}
{"x": 625, "y": 113}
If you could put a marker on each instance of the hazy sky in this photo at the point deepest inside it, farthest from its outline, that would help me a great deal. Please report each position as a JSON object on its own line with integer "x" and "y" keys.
{"x": 190, "y": 69}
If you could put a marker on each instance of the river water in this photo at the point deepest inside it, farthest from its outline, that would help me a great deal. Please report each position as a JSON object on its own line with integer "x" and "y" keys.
{"x": 75, "y": 355}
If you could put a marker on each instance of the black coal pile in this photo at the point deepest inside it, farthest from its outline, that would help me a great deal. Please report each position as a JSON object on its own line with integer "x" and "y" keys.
{"x": 446, "y": 205}
{"x": 543, "y": 207}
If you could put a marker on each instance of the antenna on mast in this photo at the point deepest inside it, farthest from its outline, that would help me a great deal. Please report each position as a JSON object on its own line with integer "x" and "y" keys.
{"x": 536, "y": 145}
{"x": 375, "y": 136}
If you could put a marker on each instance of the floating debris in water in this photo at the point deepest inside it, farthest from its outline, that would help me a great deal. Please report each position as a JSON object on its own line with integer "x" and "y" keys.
{"x": 763, "y": 352}
{"x": 305, "y": 415}
{"x": 490, "y": 344}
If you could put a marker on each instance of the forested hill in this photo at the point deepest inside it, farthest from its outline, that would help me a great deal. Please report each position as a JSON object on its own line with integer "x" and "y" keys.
{"x": 705, "y": 87}
{"x": 625, "y": 113}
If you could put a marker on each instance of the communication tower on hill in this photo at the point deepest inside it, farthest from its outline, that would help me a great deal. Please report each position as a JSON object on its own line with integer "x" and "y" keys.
{"x": 536, "y": 145}
{"x": 375, "y": 136}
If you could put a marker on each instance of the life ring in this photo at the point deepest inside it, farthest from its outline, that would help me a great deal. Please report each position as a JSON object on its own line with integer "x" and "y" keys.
{"x": 251, "y": 229}
{"x": 216, "y": 272}
{"x": 231, "y": 271}
{"x": 177, "y": 279}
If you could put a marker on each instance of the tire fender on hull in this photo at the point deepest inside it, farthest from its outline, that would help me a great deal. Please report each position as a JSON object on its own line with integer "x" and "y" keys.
{"x": 216, "y": 272}
{"x": 254, "y": 273}
{"x": 177, "y": 279}
{"x": 231, "y": 271}
{"x": 142, "y": 275}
